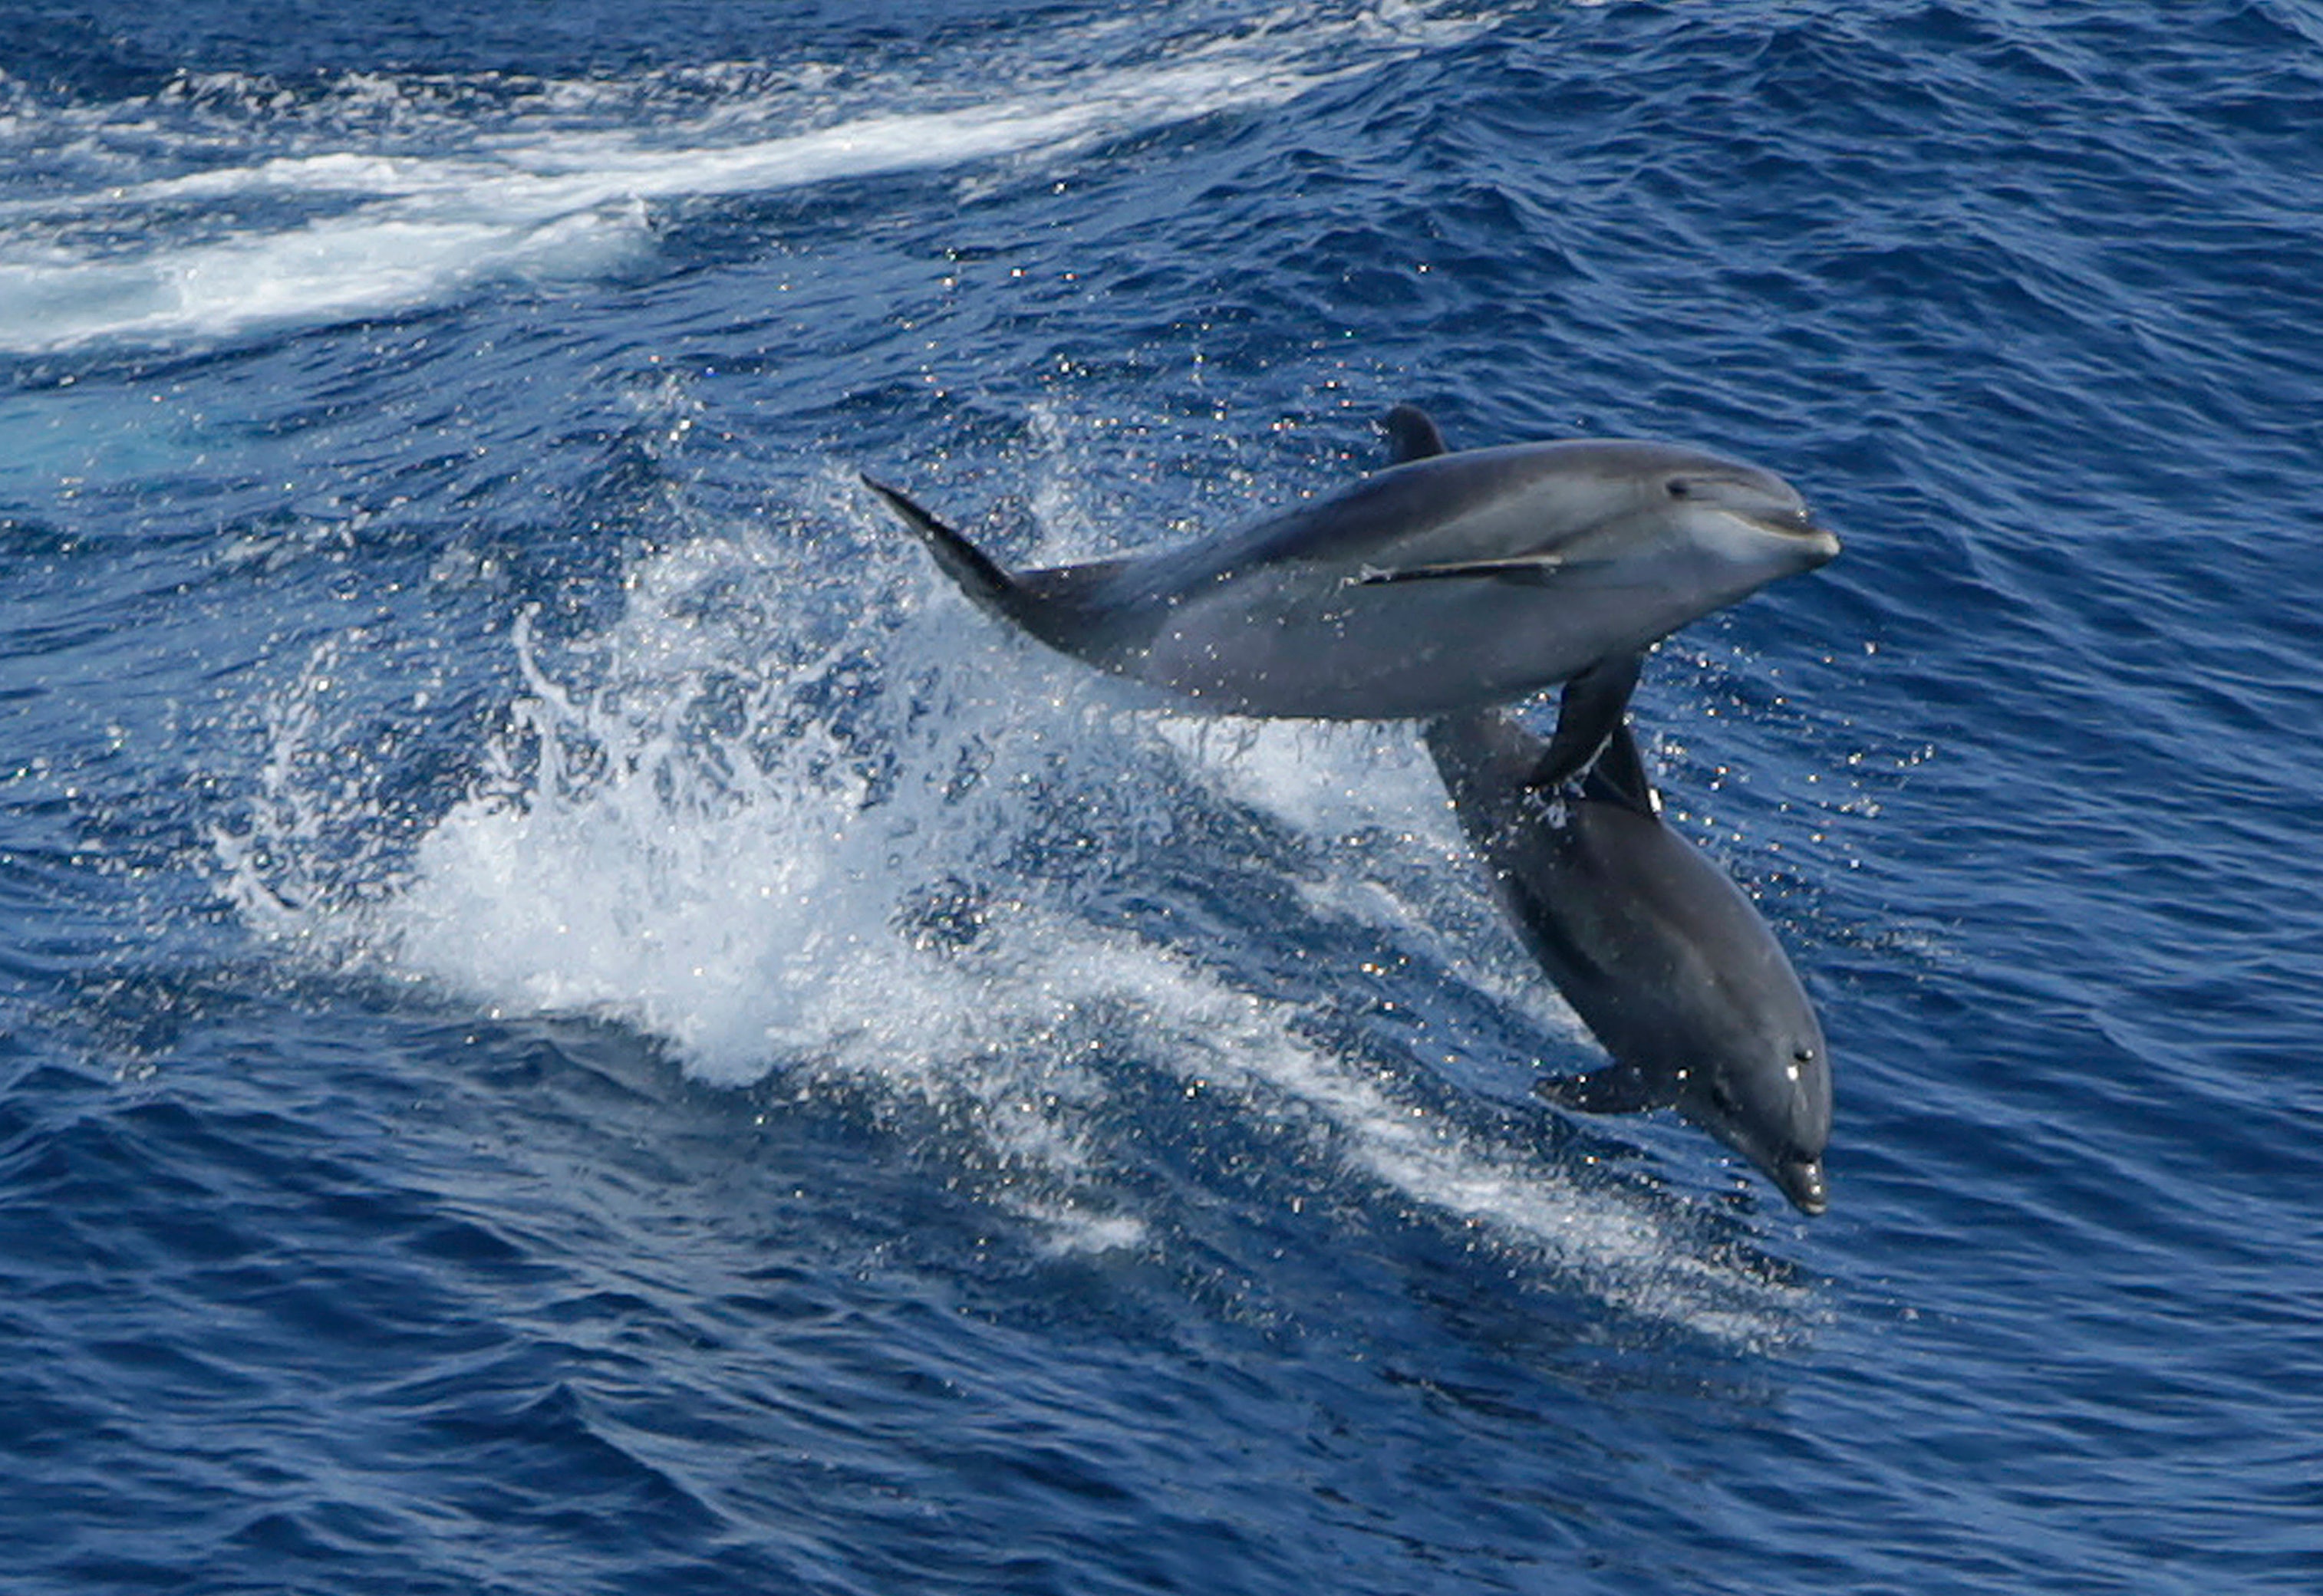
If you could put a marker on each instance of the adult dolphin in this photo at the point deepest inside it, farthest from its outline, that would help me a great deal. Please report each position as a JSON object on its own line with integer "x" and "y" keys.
{"x": 1665, "y": 959}
{"x": 1448, "y": 581}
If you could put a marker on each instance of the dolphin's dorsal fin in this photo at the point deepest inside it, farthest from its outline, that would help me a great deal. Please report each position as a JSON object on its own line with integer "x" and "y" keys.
{"x": 1619, "y": 775}
{"x": 1588, "y": 713}
{"x": 1411, "y": 435}
{"x": 1615, "y": 1089}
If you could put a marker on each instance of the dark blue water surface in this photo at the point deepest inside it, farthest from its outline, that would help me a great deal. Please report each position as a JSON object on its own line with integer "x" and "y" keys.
{"x": 573, "y": 1019}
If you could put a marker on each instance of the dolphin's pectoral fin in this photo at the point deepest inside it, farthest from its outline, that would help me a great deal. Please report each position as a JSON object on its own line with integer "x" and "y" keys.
{"x": 1619, "y": 775}
{"x": 1531, "y": 570}
{"x": 1617, "y": 1089}
{"x": 1588, "y": 714}
{"x": 1411, "y": 435}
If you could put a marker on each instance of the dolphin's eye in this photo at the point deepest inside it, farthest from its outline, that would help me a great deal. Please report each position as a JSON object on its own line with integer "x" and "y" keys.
{"x": 1803, "y": 1055}
{"x": 1679, "y": 488}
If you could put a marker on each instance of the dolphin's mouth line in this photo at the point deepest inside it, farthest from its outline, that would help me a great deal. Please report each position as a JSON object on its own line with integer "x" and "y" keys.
{"x": 1795, "y": 523}
{"x": 1803, "y": 1182}
{"x": 1817, "y": 540}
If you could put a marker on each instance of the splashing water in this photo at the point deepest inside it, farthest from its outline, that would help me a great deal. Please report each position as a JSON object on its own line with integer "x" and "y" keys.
{"x": 778, "y": 844}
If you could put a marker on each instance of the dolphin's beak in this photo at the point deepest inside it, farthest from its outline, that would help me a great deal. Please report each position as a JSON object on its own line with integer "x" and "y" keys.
{"x": 1802, "y": 1181}
{"x": 1819, "y": 541}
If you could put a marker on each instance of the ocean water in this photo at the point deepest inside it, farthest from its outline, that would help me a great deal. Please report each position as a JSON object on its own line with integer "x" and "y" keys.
{"x": 573, "y": 1019}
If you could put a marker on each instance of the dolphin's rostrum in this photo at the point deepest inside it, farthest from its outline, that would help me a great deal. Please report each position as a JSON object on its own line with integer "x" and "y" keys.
{"x": 1447, "y": 583}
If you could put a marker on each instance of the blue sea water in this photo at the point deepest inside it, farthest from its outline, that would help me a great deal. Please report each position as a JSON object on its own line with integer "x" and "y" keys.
{"x": 573, "y": 1019}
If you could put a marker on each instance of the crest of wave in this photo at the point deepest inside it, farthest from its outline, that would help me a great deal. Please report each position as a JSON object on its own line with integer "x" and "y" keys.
{"x": 368, "y": 219}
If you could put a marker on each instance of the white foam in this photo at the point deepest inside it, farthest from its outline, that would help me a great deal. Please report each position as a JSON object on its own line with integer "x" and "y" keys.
{"x": 379, "y": 232}
{"x": 375, "y": 261}
{"x": 1369, "y": 793}
{"x": 1218, "y": 1038}
{"x": 754, "y": 896}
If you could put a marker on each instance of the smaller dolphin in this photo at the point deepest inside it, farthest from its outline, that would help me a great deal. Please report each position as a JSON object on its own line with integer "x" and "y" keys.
{"x": 1663, "y": 957}
{"x": 1445, "y": 582}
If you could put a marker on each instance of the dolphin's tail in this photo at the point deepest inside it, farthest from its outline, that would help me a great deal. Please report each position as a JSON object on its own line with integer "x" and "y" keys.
{"x": 1481, "y": 754}
{"x": 971, "y": 567}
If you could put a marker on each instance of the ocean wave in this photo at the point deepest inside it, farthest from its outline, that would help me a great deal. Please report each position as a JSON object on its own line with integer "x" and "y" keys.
{"x": 395, "y": 196}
